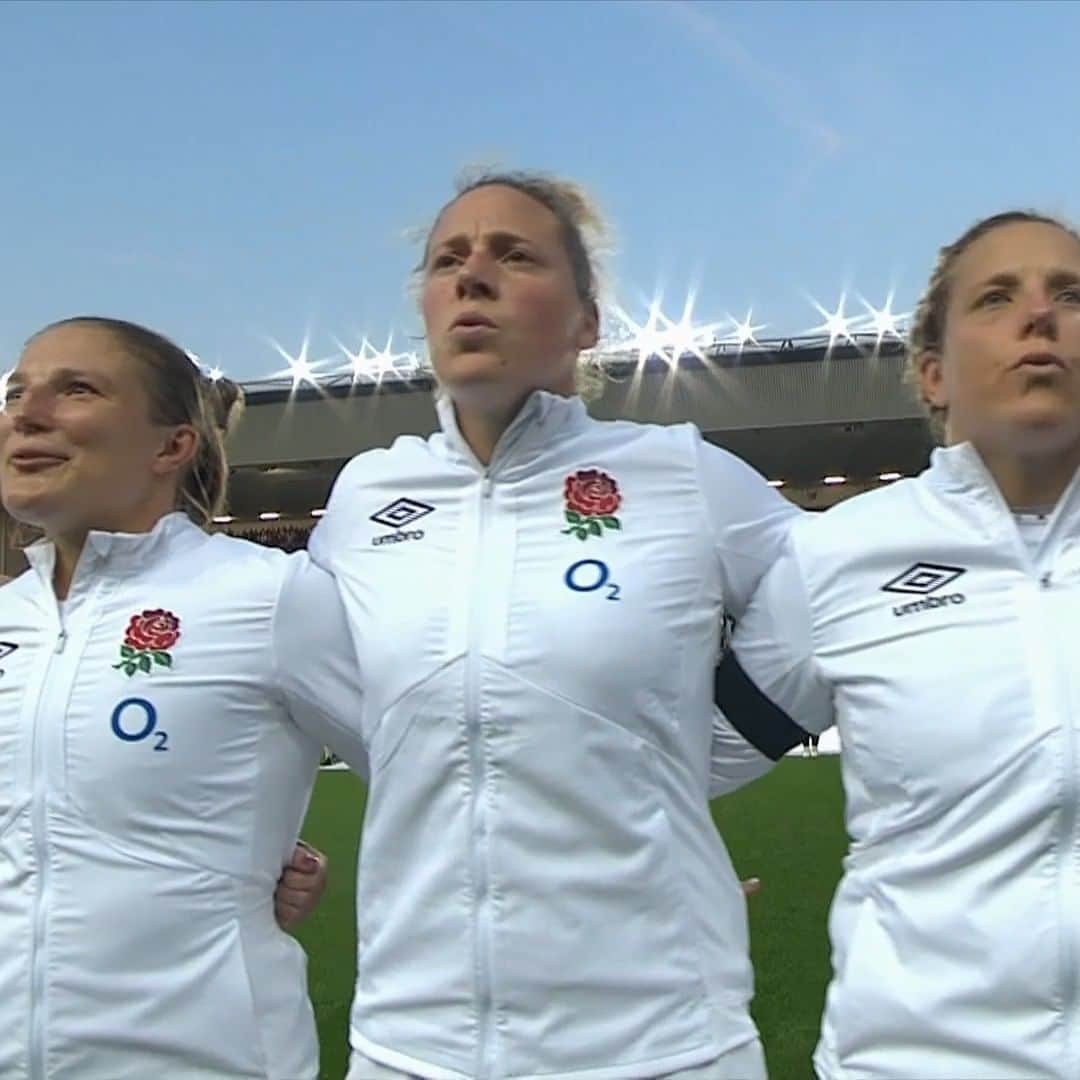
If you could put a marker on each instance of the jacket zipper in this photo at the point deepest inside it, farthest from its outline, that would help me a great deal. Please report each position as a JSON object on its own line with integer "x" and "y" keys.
{"x": 41, "y": 850}
{"x": 478, "y": 823}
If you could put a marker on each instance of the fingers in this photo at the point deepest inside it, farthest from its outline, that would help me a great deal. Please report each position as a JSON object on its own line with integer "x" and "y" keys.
{"x": 301, "y": 885}
{"x": 289, "y": 894}
{"x": 751, "y": 886}
{"x": 287, "y": 916}
{"x": 305, "y": 858}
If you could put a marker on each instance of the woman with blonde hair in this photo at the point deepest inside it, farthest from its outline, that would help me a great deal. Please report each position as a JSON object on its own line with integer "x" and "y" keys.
{"x": 936, "y": 623}
{"x": 158, "y": 735}
{"x": 536, "y": 599}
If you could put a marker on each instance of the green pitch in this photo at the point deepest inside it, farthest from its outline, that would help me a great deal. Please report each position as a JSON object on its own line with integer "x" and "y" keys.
{"x": 786, "y": 829}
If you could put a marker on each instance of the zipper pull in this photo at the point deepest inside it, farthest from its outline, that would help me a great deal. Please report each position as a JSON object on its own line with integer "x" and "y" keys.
{"x": 1044, "y": 581}
{"x": 61, "y": 641}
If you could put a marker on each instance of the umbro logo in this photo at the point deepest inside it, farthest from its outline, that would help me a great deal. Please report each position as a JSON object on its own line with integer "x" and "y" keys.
{"x": 401, "y": 512}
{"x": 6, "y": 649}
{"x": 925, "y": 579}
{"x": 397, "y": 515}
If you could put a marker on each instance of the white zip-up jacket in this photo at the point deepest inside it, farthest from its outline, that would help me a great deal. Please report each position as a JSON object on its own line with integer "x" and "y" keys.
{"x": 542, "y": 892}
{"x": 153, "y": 778}
{"x": 948, "y": 655}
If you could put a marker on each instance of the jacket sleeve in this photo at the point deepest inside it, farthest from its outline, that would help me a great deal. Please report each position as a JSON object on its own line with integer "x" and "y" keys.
{"x": 733, "y": 762}
{"x": 316, "y": 664}
{"x": 749, "y": 522}
{"x": 329, "y": 539}
{"x": 748, "y": 519}
{"x": 769, "y": 686}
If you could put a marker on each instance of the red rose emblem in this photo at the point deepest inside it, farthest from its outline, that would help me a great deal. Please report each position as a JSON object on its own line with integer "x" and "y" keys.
{"x": 592, "y": 497}
{"x": 153, "y": 631}
{"x": 592, "y": 493}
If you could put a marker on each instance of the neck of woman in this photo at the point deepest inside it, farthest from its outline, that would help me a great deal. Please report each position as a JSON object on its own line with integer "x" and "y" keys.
{"x": 1035, "y": 479}
{"x": 70, "y": 540}
{"x": 482, "y": 421}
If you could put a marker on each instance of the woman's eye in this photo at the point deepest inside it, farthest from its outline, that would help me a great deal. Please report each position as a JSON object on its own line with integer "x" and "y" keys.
{"x": 518, "y": 255}
{"x": 994, "y": 296}
{"x": 1070, "y": 295}
{"x": 78, "y": 387}
{"x": 444, "y": 260}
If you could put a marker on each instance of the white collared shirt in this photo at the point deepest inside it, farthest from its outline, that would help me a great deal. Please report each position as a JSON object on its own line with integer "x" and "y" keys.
{"x": 542, "y": 892}
{"x": 156, "y": 758}
{"x": 944, "y": 646}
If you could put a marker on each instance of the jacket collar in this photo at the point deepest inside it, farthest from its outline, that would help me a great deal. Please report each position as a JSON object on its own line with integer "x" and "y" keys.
{"x": 115, "y": 553}
{"x": 960, "y": 470}
{"x": 539, "y": 422}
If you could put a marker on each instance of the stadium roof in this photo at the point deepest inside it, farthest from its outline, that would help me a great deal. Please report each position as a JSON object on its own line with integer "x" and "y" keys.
{"x": 795, "y": 408}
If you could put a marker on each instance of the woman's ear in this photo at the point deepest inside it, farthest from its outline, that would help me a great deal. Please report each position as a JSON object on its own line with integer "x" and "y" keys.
{"x": 177, "y": 451}
{"x": 589, "y": 334}
{"x": 931, "y": 379}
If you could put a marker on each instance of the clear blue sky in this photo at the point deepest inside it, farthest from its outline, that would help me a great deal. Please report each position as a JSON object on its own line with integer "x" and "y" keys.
{"x": 226, "y": 172}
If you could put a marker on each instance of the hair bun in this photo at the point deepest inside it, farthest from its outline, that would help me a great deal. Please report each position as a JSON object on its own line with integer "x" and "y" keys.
{"x": 224, "y": 402}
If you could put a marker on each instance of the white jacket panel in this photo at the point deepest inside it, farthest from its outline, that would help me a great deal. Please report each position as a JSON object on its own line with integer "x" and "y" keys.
{"x": 542, "y": 892}
{"x": 916, "y": 618}
{"x": 149, "y": 797}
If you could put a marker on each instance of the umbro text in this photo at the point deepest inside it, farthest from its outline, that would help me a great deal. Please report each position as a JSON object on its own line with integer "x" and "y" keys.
{"x": 397, "y": 537}
{"x": 927, "y": 603}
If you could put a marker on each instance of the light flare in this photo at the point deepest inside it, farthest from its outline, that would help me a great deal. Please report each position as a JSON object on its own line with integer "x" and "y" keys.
{"x": 660, "y": 336}
{"x": 837, "y": 325}
{"x": 884, "y": 321}
{"x": 745, "y": 333}
{"x": 375, "y": 364}
{"x": 300, "y": 368}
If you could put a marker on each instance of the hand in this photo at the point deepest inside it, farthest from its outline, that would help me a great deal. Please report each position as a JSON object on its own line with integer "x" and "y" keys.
{"x": 301, "y": 885}
{"x": 751, "y": 886}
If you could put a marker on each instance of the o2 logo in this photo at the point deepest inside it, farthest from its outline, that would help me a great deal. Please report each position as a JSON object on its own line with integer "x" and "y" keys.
{"x": 588, "y": 575}
{"x": 135, "y": 719}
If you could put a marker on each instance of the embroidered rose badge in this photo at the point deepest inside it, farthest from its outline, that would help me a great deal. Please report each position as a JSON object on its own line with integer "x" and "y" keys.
{"x": 147, "y": 641}
{"x": 592, "y": 497}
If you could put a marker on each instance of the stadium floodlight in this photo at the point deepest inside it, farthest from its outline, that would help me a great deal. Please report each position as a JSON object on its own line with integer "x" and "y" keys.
{"x": 269, "y": 515}
{"x": 744, "y": 333}
{"x": 837, "y": 325}
{"x": 660, "y": 336}
{"x": 645, "y": 340}
{"x": 376, "y": 364}
{"x": 776, "y": 483}
{"x": 215, "y": 374}
{"x": 358, "y": 361}
{"x": 383, "y": 362}
{"x": 299, "y": 367}
{"x": 223, "y": 519}
{"x": 835, "y": 480}
{"x": 683, "y": 337}
{"x": 884, "y": 321}
{"x": 318, "y": 511}
{"x": 885, "y": 477}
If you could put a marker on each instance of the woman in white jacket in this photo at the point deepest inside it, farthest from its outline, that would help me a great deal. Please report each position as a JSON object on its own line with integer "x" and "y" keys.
{"x": 936, "y": 622}
{"x": 157, "y": 742}
{"x": 536, "y": 599}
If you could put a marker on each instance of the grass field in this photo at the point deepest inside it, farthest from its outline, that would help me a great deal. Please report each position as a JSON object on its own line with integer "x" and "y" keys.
{"x": 786, "y": 829}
